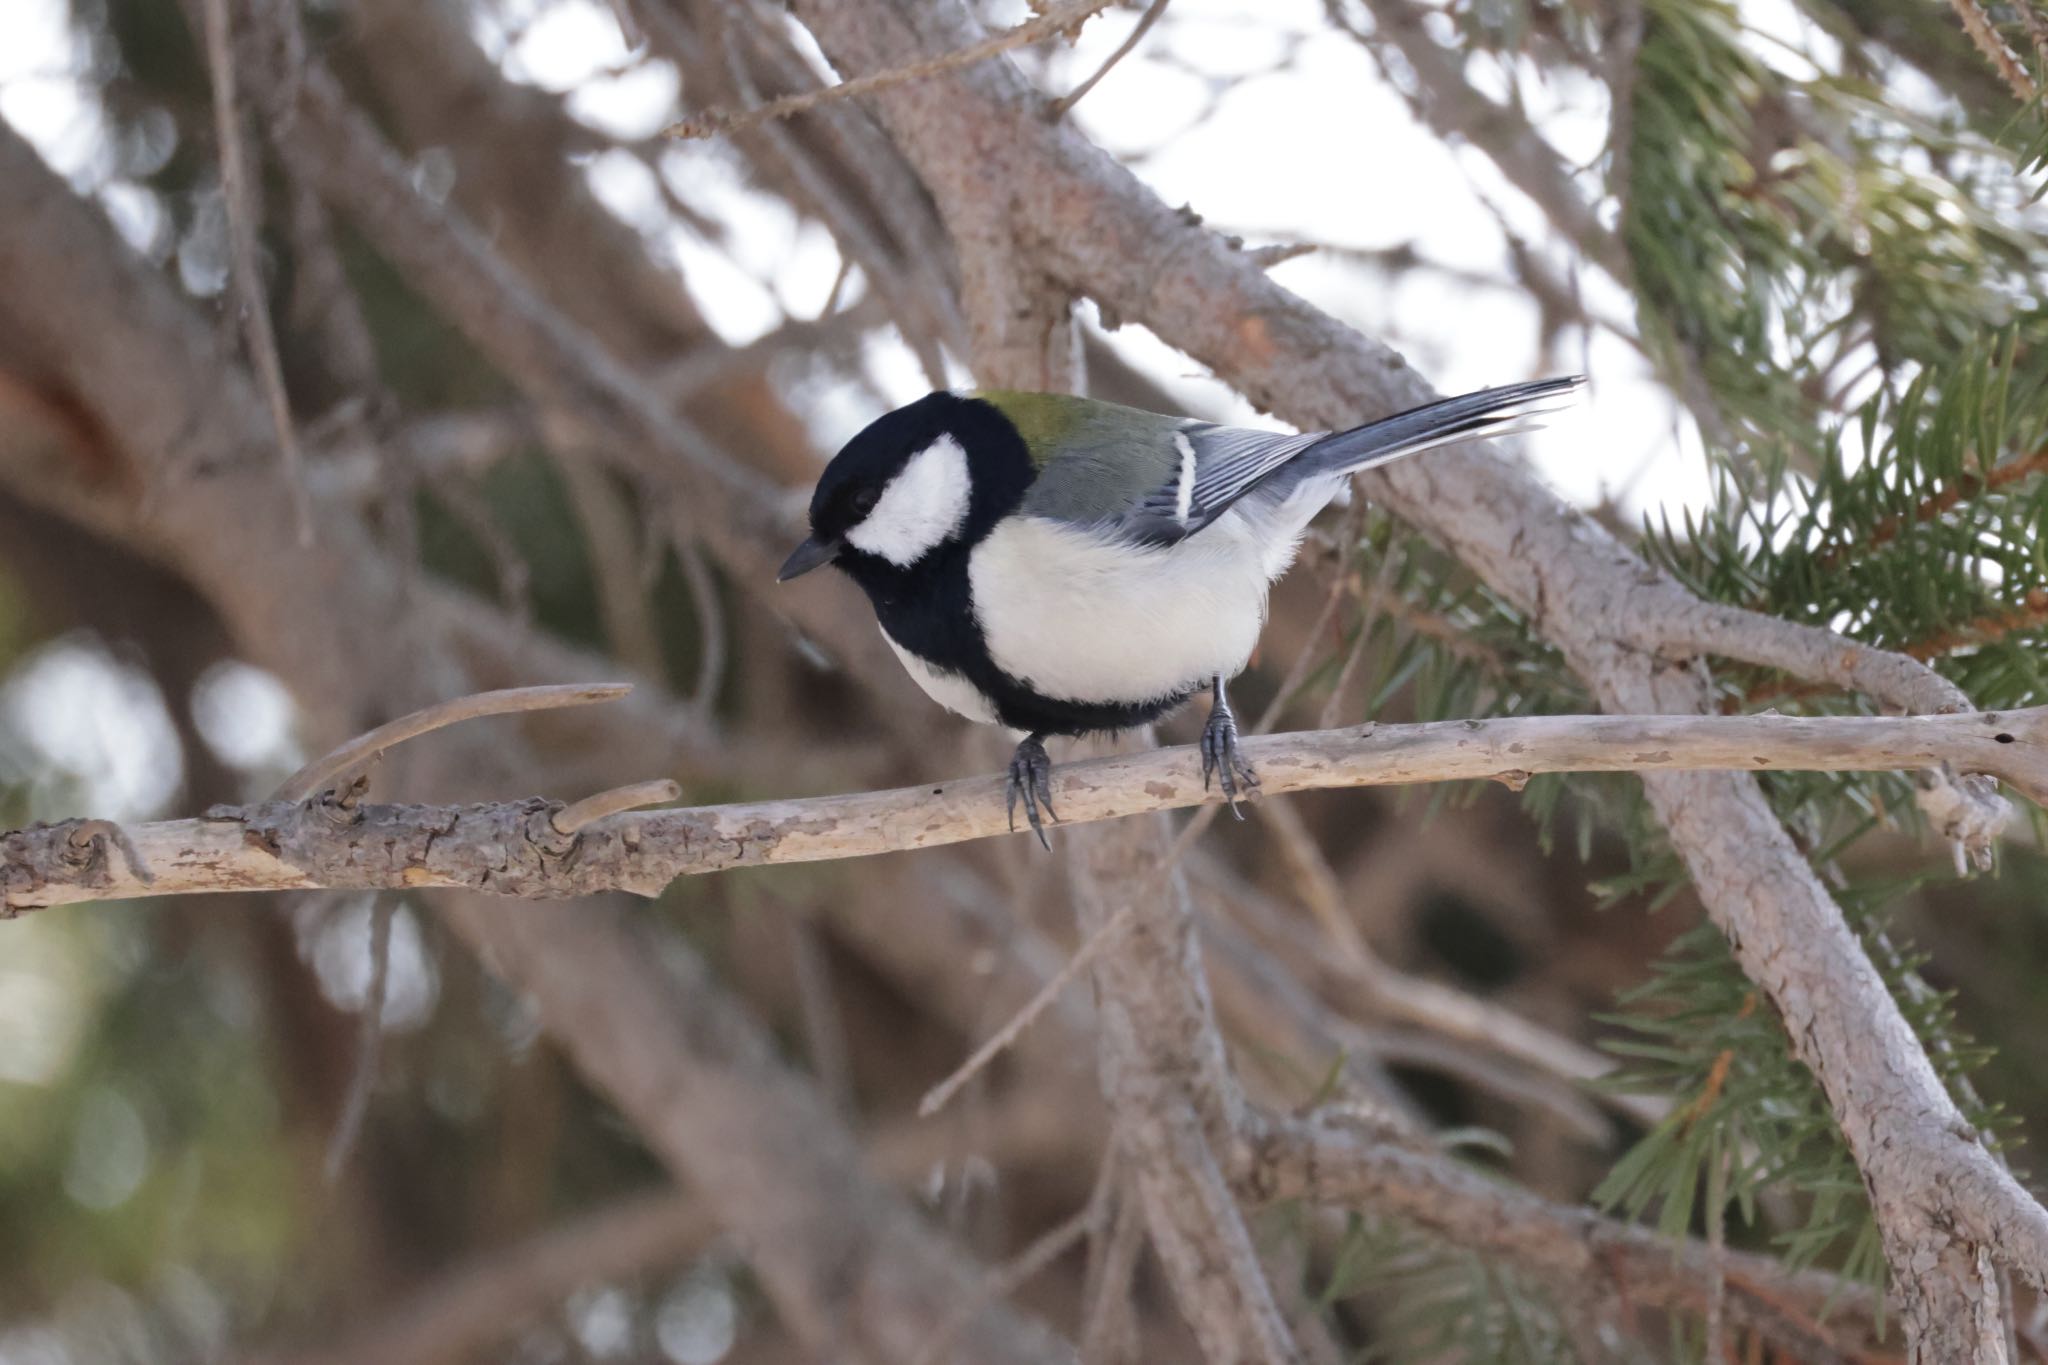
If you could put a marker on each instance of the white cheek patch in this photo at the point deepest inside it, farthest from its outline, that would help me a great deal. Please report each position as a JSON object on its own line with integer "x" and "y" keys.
{"x": 922, "y": 507}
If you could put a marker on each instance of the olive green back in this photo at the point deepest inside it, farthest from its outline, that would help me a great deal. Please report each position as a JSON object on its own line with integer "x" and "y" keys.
{"x": 1094, "y": 459}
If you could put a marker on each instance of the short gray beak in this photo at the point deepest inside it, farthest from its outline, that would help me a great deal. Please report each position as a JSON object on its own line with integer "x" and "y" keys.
{"x": 812, "y": 554}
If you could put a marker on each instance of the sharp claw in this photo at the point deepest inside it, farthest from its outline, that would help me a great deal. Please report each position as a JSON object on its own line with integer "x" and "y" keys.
{"x": 1220, "y": 757}
{"x": 1031, "y": 778}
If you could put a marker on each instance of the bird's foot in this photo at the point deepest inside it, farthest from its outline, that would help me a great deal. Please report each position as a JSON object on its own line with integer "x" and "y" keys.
{"x": 1031, "y": 779}
{"x": 1221, "y": 760}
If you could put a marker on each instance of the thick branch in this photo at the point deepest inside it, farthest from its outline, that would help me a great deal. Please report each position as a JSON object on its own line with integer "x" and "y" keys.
{"x": 513, "y": 848}
{"x": 1580, "y": 1255}
{"x": 1176, "y": 1103}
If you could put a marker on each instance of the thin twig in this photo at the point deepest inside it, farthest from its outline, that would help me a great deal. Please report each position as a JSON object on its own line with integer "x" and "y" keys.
{"x": 1316, "y": 883}
{"x": 1278, "y": 253}
{"x": 1717, "y": 1265}
{"x": 711, "y": 630}
{"x": 591, "y": 809}
{"x": 911, "y": 293}
{"x": 239, "y": 196}
{"x": 469, "y": 507}
{"x": 1107, "y": 1332}
{"x": 605, "y": 518}
{"x": 2003, "y": 59}
{"x": 1464, "y": 1034}
{"x": 2029, "y": 614}
{"x": 818, "y": 1004}
{"x": 1055, "y": 20}
{"x": 1451, "y": 105}
{"x": 1004, "y": 1280}
{"x": 369, "y": 1039}
{"x": 941, "y": 1094}
{"x": 1059, "y": 107}
{"x": 1371, "y": 602}
{"x": 1969, "y": 485}
{"x": 1461, "y": 1027}
{"x": 322, "y": 772}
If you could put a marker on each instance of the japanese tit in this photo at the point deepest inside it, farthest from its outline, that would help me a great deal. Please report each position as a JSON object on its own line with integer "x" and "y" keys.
{"x": 1063, "y": 566}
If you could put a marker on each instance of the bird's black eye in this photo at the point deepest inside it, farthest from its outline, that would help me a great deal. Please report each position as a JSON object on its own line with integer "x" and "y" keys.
{"x": 863, "y": 502}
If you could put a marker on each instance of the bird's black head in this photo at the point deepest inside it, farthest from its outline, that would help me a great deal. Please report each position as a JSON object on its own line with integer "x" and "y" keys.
{"x": 928, "y": 478}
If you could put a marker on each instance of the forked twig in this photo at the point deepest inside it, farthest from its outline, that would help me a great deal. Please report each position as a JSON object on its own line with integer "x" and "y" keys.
{"x": 1055, "y": 20}
{"x": 1059, "y": 107}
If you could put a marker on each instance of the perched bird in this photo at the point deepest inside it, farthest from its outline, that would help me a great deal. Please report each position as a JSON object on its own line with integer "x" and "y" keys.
{"x": 1063, "y": 566}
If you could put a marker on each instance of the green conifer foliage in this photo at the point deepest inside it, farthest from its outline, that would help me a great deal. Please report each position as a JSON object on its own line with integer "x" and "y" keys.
{"x": 1845, "y": 289}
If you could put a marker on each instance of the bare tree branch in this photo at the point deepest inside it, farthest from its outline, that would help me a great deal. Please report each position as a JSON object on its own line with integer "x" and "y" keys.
{"x": 1054, "y": 20}
{"x": 2003, "y": 59}
{"x": 515, "y": 849}
{"x": 1583, "y": 1258}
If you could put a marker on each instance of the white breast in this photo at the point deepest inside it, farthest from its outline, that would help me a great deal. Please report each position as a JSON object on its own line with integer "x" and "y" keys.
{"x": 1082, "y": 620}
{"x": 949, "y": 690}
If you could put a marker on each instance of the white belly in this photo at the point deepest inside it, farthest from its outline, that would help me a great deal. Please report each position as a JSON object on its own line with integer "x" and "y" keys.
{"x": 949, "y": 690}
{"x": 1082, "y": 621}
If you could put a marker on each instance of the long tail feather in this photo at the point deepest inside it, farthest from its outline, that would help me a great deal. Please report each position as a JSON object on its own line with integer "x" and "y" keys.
{"x": 1504, "y": 411}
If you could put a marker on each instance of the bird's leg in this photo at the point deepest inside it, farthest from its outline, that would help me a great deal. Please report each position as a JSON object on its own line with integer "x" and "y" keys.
{"x": 1031, "y": 778}
{"x": 1219, "y": 752}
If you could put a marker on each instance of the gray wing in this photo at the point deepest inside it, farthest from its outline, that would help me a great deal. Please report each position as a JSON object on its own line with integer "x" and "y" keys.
{"x": 1216, "y": 467}
{"x": 1160, "y": 480}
